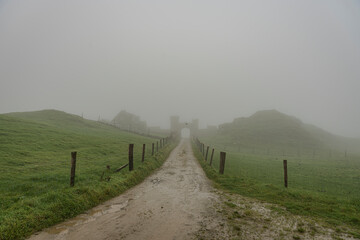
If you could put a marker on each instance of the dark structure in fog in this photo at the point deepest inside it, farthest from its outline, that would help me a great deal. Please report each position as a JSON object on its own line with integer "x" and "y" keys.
{"x": 130, "y": 122}
{"x": 176, "y": 125}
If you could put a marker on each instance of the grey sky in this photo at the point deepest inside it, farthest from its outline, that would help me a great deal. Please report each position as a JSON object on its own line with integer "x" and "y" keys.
{"x": 212, "y": 60}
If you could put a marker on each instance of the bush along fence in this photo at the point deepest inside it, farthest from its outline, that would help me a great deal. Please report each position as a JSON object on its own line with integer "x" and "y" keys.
{"x": 205, "y": 153}
{"x": 163, "y": 142}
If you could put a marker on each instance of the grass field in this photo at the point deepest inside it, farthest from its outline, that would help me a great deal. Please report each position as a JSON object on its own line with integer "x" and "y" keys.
{"x": 35, "y": 167}
{"x": 319, "y": 186}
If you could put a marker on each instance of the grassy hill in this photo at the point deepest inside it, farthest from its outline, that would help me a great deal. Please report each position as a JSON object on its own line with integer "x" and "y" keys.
{"x": 323, "y": 169}
{"x": 62, "y": 120}
{"x": 35, "y": 167}
{"x": 272, "y": 131}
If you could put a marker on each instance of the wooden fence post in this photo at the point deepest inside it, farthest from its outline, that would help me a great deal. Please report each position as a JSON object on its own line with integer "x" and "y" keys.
{"x": 222, "y": 162}
{"x": 285, "y": 173}
{"x": 73, "y": 166}
{"x": 131, "y": 157}
{"x": 152, "y": 149}
{"x": 157, "y": 146}
{"x": 212, "y": 155}
{"x": 143, "y": 153}
{"x": 207, "y": 150}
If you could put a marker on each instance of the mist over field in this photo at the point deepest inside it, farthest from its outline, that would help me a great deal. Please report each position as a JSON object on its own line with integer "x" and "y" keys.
{"x": 212, "y": 60}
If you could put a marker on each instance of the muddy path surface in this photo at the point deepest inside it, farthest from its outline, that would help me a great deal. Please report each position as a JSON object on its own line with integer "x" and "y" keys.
{"x": 176, "y": 202}
{"x": 179, "y": 202}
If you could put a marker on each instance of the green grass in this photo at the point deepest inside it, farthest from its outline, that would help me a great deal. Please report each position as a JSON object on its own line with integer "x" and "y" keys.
{"x": 35, "y": 167}
{"x": 326, "y": 188}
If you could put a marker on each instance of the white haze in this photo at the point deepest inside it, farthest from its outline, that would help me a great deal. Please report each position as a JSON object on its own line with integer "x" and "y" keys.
{"x": 212, "y": 60}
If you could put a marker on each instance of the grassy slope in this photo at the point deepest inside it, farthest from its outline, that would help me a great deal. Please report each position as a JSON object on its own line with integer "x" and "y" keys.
{"x": 319, "y": 188}
{"x": 275, "y": 132}
{"x": 332, "y": 209}
{"x": 323, "y": 181}
{"x": 35, "y": 164}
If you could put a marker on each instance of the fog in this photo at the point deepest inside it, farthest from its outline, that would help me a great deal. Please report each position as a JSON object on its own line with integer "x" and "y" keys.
{"x": 212, "y": 60}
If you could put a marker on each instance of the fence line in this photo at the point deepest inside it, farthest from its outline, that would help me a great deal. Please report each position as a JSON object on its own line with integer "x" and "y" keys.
{"x": 163, "y": 142}
{"x": 145, "y": 134}
{"x": 201, "y": 148}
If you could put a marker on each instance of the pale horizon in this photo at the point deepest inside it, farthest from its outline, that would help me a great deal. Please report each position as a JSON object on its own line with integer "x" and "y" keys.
{"x": 207, "y": 60}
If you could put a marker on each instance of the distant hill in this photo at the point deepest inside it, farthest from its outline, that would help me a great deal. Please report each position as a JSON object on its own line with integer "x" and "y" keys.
{"x": 60, "y": 120}
{"x": 50, "y": 116}
{"x": 273, "y": 130}
{"x": 51, "y": 132}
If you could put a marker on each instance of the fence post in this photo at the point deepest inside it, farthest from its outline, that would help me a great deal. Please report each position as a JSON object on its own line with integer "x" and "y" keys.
{"x": 212, "y": 155}
{"x": 207, "y": 150}
{"x": 131, "y": 157}
{"x": 73, "y": 166}
{"x": 222, "y": 162}
{"x": 152, "y": 149}
{"x": 203, "y": 149}
{"x": 143, "y": 153}
{"x": 285, "y": 173}
{"x": 157, "y": 146}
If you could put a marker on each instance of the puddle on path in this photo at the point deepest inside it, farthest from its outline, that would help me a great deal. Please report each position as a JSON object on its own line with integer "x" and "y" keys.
{"x": 90, "y": 216}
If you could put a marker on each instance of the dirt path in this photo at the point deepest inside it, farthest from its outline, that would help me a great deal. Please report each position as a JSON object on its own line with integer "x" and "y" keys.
{"x": 173, "y": 203}
{"x": 178, "y": 202}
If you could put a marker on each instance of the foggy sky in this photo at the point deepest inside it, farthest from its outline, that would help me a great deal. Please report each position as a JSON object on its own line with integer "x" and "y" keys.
{"x": 206, "y": 59}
